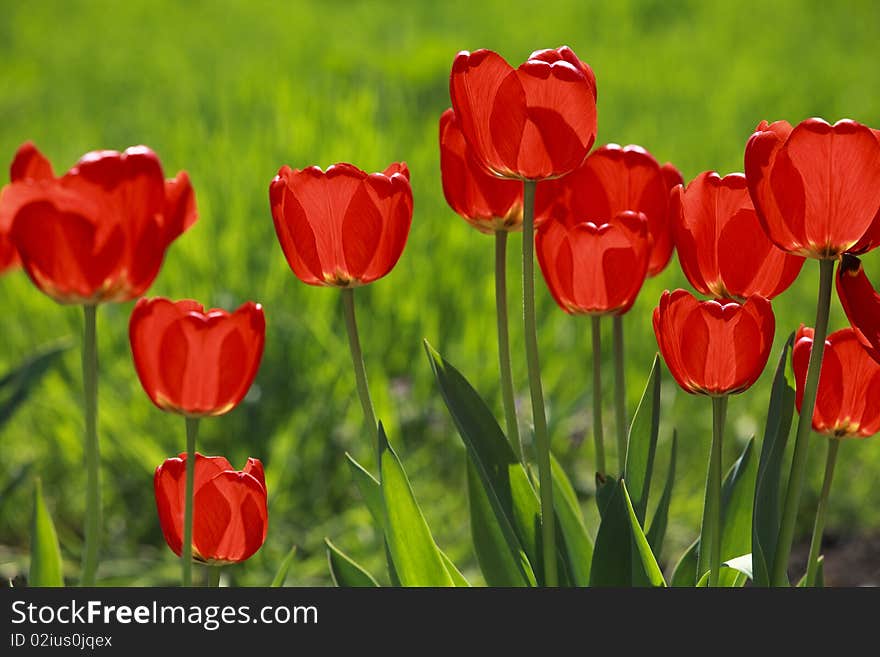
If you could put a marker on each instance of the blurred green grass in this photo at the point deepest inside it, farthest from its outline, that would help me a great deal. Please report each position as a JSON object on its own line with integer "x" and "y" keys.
{"x": 232, "y": 90}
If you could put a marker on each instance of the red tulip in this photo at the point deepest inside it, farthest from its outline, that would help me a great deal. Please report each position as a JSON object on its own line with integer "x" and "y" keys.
{"x": 614, "y": 180}
{"x": 722, "y": 247}
{"x": 537, "y": 121}
{"x": 230, "y": 517}
{"x": 848, "y": 398}
{"x": 99, "y": 232}
{"x": 594, "y": 269}
{"x": 860, "y": 302}
{"x": 714, "y": 347}
{"x": 488, "y": 203}
{"x": 194, "y": 362}
{"x": 341, "y": 227}
{"x": 816, "y": 187}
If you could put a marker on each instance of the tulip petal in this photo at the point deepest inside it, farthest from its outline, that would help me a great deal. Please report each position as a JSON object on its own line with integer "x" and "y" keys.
{"x": 860, "y": 302}
{"x": 30, "y": 163}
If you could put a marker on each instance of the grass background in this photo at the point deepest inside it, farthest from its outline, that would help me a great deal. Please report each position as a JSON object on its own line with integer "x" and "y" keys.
{"x": 230, "y": 91}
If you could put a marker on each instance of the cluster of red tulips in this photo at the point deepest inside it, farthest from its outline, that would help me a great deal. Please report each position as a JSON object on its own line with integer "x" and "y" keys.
{"x": 515, "y": 156}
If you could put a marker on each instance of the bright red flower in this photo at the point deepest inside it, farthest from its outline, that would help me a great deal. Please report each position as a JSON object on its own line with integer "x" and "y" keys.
{"x": 722, "y": 246}
{"x": 848, "y": 398}
{"x": 714, "y": 347}
{"x": 615, "y": 179}
{"x": 537, "y": 121}
{"x": 230, "y": 517}
{"x": 193, "y": 362}
{"x": 341, "y": 227}
{"x": 816, "y": 187}
{"x": 860, "y": 302}
{"x": 488, "y": 203}
{"x": 594, "y": 269}
{"x": 99, "y": 232}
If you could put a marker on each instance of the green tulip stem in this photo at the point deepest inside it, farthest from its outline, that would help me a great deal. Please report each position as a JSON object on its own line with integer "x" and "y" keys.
{"x": 92, "y": 452}
{"x": 819, "y": 525}
{"x": 542, "y": 436}
{"x": 805, "y": 422}
{"x": 598, "y": 437}
{"x": 710, "y": 534}
{"x": 214, "y": 576}
{"x": 192, "y": 432}
{"x": 619, "y": 391}
{"x": 360, "y": 372}
{"x": 504, "y": 343}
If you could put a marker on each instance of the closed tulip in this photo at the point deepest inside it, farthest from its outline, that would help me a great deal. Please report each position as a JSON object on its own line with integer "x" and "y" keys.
{"x": 230, "y": 516}
{"x": 534, "y": 122}
{"x": 860, "y": 302}
{"x": 721, "y": 244}
{"x": 848, "y": 399}
{"x": 816, "y": 187}
{"x": 615, "y": 179}
{"x": 594, "y": 269}
{"x": 488, "y": 203}
{"x": 341, "y": 227}
{"x": 99, "y": 232}
{"x": 193, "y": 362}
{"x": 714, "y": 347}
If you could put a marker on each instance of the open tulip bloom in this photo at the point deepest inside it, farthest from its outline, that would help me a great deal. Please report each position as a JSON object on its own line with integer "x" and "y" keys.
{"x": 722, "y": 247}
{"x": 847, "y": 406}
{"x": 714, "y": 348}
{"x": 197, "y": 364}
{"x": 343, "y": 228}
{"x": 230, "y": 516}
{"x": 96, "y": 234}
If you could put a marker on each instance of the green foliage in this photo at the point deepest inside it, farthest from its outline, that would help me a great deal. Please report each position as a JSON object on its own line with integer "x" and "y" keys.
{"x": 344, "y": 571}
{"x": 46, "y": 566}
{"x": 230, "y": 95}
{"x": 284, "y": 568}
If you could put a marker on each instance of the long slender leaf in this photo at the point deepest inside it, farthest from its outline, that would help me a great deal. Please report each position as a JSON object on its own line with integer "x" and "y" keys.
{"x": 346, "y": 573}
{"x": 284, "y": 568}
{"x": 657, "y": 531}
{"x": 767, "y": 508}
{"x": 606, "y": 487}
{"x": 46, "y": 567}
{"x": 820, "y": 575}
{"x": 505, "y": 481}
{"x": 622, "y": 556}
{"x": 685, "y": 572}
{"x": 502, "y": 560}
{"x": 642, "y": 443}
{"x": 570, "y": 522}
{"x": 413, "y": 550}
{"x": 371, "y": 491}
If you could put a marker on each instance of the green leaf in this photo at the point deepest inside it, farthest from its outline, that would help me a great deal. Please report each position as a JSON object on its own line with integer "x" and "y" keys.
{"x": 413, "y": 550}
{"x": 46, "y": 567}
{"x": 820, "y": 575}
{"x": 18, "y": 384}
{"x": 736, "y": 520}
{"x": 281, "y": 575}
{"x": 578, "y": 547}
{"x": 642, "y": 443}
{"x": 685, "y": 571}
{"x": 506, "y": 483}
{"x": 657, "y": 531}
{"x": 622, "y": 556}
{"x": 371, "y": 492}
{"x": 502, "y": 560}
{"x": 346, "y": 573}
{"x": 767, "y": 511}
